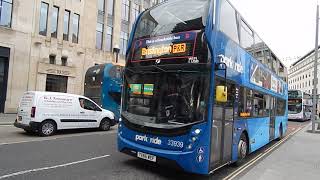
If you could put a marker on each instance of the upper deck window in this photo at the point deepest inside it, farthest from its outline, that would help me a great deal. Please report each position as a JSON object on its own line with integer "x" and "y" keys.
{"x": 228, "y": 21}
{"x": 173, "y": 16}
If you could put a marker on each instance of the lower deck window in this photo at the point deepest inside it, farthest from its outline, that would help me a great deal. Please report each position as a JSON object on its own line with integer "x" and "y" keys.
{"x": 56, "y": 83}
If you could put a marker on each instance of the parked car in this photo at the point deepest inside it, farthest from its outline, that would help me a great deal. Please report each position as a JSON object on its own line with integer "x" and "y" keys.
{"x": 47, "y": 112}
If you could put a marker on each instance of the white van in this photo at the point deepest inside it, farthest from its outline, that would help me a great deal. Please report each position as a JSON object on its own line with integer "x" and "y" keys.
{"x": 46, "y": 112}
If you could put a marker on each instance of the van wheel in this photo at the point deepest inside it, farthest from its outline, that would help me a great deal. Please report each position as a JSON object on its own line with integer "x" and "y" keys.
{"x": 47, "y": 128}
{"x": 105, "y": 124}
{"x": 242, "y": 149}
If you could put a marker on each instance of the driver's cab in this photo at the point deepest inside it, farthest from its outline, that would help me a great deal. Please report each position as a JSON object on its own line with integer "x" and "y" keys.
{"x": 88, "y": 105}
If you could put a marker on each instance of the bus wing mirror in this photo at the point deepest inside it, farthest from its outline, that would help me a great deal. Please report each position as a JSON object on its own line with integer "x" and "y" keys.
{"x": 221, "y": 94}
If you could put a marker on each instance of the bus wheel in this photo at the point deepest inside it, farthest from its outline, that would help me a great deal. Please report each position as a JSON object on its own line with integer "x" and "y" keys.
{"x": 242, "y": 149}
{"x": 105, "y": 124}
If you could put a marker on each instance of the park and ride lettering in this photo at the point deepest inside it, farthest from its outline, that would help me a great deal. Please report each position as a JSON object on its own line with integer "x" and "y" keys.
{"x": 231, "y": 63}
{"x": 148, "y": 139}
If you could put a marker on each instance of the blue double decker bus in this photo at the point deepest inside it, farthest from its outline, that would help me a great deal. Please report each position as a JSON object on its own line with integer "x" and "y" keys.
{"x": 103, "y": 85}
{"x": 201, "y": 89}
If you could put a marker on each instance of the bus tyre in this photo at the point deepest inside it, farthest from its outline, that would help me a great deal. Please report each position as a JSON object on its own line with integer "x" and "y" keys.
{"x": 105, "y": 124}
{"x": 47, "y": 128}
{"x": 242, "y": 149}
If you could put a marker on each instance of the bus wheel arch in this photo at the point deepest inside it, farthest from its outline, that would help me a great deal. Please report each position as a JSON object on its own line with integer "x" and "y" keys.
{"x": 280, "y": 132}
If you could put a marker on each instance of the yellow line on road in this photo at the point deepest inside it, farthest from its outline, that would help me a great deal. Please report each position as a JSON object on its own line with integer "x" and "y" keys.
{"x": 254, "y": 160}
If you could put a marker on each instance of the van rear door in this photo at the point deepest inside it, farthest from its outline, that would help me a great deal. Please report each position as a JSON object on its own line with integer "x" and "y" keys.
{"x": 25, "y": 106}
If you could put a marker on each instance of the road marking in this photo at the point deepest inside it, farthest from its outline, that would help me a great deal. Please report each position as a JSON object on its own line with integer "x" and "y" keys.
{"x": 51, "y": 167}
{"x": 254, "y": 160}
{"x": 60, "y": 137}
{"x": 6, "y": 125}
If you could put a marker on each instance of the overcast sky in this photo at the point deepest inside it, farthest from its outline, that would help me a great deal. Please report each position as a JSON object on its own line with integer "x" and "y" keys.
{"x": 286, "y": 26}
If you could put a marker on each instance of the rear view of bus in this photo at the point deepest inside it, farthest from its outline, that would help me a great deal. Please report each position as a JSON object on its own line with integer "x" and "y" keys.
{"x": 299, "y": 105}
{"x": 103, "y": 86}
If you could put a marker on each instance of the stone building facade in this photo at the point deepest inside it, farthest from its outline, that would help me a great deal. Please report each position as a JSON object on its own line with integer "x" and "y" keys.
{"x": 301, "y": 74}
{"x": 47, "y": 45}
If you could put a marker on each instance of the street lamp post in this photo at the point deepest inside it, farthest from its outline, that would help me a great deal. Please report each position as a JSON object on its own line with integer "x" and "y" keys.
{"x": 116, "y": 50}
{"x": 315, "y": 74}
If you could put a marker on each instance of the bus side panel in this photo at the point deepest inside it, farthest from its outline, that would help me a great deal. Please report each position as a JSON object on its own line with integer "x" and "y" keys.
{"x": 258, "y": 132}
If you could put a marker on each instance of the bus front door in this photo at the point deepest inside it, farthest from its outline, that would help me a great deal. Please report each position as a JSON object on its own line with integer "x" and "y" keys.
{"x": 222, "y": 129}
{"x": 272, "y": 119}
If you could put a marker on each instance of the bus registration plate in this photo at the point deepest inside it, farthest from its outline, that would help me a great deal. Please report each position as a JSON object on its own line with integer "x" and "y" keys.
{"x": 148, "y": 157}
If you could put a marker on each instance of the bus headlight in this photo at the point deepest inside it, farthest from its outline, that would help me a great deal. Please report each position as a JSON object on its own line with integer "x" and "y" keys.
{"x": 196, "y": 132}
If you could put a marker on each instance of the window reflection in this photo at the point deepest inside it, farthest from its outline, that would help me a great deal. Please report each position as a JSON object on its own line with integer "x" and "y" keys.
{"x": 75, "y": 28}
{"x": 43, "y": 19}
{"x": 54, "y": 21}
{"x": 5, "y": 13}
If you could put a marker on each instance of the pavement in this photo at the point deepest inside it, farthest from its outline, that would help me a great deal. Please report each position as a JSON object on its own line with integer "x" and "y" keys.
{"x": 7, "y": 119}
{"x": 298, "y": 158}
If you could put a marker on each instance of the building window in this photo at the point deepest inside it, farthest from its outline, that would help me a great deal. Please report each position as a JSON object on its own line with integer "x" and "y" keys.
{"x": 101, "y": 5}
{"x": 153, "y": 2}
{"x": 56, "y": 83}
{"x": 110, "y": 7}
{"x": 134, "y": 12}
{"x": 75, "y": 28}
{"x": 5, "y": 13}
{"x": 125, "y": 10}
{"x": 109, "y": 38}
{"x": 52, "y": 59}
{"x": 100, "y": 24}
{"x": 64, "y": 61}
{"x": 123, "y": 42}
{"x": 99, "y": 35}
{"x": 43, "y": 19}
{"x": 66, "y": 21}
{"x": 54, "y": 21}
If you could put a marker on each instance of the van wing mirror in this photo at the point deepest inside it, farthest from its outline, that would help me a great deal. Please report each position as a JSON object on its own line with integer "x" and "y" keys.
{"x": 221, "y": 94}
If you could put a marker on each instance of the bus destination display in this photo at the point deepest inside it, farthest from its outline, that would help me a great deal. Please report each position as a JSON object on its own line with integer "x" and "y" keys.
{"x": 179, "y": 45}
